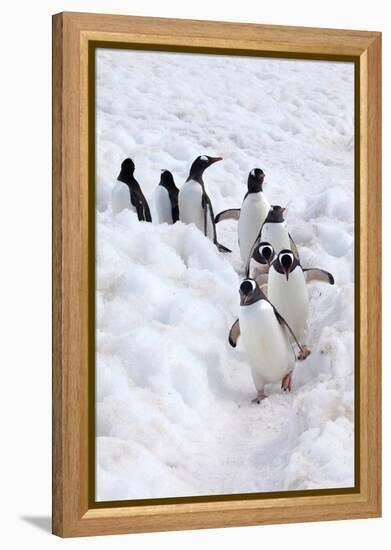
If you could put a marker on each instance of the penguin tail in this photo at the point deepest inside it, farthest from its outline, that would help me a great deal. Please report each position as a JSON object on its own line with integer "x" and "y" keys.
{"x": 222, "y": 248}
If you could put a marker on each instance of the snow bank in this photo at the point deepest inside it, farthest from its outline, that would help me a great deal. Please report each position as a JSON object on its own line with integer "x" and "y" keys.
{"x": 173, "y": 409}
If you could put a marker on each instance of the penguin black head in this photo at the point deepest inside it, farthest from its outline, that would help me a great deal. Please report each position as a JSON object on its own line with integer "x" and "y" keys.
{"x": 275, "y": 214}
{"x": 167, "y": 179}
{"x": 266, "y": 251}
{"x": 255, "y": 180}
{"x": 286, "y": 262}
{"x": 200, "y": 164}
{"x": 250, "y": 292}
{"x": 127, "y": 170}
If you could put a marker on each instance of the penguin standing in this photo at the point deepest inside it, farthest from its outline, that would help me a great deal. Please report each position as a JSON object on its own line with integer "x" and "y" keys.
{"x": 127, "y": 193}
{"x": 251, "y": 215}
{"x": 287, "y": 291}
{"x": 165, "y": 199}
{"x": 265, "y": 337}
{"x": 274, "y": 231}
{"x": 195, "y": 205}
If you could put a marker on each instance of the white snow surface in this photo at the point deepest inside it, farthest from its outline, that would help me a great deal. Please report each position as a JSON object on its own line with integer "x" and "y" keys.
{"x": 173, "y": 409}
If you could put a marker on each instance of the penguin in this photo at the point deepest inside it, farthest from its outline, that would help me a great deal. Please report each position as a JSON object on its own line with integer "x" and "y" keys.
{"x": 127, "y": 193}
{"x": 274, "y": 231}
{"x": 195, "y": 205}
{"x": 265, "y": 335}
{"x": 287, "y": 291}
{"x": 252, "y": 214}
{"x": 165, "y": 199}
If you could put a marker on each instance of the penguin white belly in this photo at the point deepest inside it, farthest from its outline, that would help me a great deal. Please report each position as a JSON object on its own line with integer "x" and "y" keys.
{"x": 161, "y": 205}
{"x": 277, "y": 235}
{"x": 266, "y": 343}
{"x": 120, "y": 198}
{"x": 190, "y": 207}
{"x": 290, "y": 298}
{"x": 253, "y": 213}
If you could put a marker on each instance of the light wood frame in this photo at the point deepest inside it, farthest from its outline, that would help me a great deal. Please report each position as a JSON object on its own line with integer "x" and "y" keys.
{"x": 72, "y": 33}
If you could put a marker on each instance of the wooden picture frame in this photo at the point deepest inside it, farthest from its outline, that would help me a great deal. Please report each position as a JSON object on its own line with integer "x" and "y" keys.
{"x": 74, "y": 36}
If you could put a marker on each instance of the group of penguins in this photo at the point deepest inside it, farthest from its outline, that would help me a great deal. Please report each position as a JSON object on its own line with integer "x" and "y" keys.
{"x": 274, "y": 299}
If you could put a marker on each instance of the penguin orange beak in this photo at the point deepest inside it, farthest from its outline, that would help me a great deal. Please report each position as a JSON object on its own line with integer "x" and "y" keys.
{"x": 215, "y": 159}
{"x": 286, "y": 271}
{"x": 244, "y": 298}
{"x": 268, "y": 260}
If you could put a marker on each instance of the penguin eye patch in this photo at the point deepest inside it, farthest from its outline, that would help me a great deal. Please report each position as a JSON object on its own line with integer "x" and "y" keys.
{"x": 204, "y": 158}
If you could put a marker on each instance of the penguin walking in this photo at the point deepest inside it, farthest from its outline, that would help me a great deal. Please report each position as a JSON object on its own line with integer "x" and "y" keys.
{"x": 287, "y": 291}
{"x": 274, "y": 231}
{"x": 251, "y": 215}
{"x": 165, "y": 199}
{"x": 195, "y": 205}
{"x": 127, "y": 193}
{"x": 265, "y": 337}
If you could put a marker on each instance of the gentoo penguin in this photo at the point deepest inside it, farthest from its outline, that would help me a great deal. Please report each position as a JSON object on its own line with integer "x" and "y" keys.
{"x": 287, "y": 291}
{"x": 195, "y": 205}
{"x": 165, "y": 199}
{"x": 127, "y": 193}
{"x": 274, "y": 231}
{"x": 251, "y": 215}
{"x": 265, "y": 337}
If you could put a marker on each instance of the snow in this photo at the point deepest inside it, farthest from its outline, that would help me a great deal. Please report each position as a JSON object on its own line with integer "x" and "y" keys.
{"x": 173, "y": 409}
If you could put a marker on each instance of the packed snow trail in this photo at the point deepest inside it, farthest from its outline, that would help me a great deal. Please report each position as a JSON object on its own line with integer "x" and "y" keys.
{"x": 174, "y": 416}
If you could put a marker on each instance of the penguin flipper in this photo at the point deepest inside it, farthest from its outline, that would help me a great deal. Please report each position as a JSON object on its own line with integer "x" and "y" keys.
{"x": 139, "y": 209}
{"x": 294, "y": 247}
{"x": 234, "y": 334}
{"x": 232, "y": 214}
{"x": 207, "y": 205}
{"x": 175, "y": 213}
{"x": 140, "y": 203}
{"x": 254, "y": 247}
{"x": 173, "y": 195}
{"x": 315, "y": 274}
{"x": 282, "y": 321}
{"x": 146, "y": 210}
{"x": 252, "y": 251}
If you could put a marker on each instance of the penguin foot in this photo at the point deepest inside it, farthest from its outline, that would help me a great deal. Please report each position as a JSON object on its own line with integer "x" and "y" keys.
{"x": 305, "y": 352}
{"x": 286, "y": 383}
{"x": 260, "y": 397}
{"x": 222, "y": 248}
